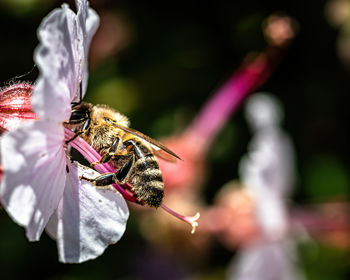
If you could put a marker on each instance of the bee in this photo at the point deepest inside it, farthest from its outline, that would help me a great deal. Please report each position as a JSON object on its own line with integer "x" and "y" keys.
{"x": 129, "y": 151}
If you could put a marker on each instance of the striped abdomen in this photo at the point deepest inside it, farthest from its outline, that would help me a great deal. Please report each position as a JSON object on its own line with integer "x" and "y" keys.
{"x": 146, "y": 180}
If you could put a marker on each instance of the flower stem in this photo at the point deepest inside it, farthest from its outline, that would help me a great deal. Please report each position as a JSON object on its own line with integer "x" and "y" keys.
{"x": 226, "y": 99}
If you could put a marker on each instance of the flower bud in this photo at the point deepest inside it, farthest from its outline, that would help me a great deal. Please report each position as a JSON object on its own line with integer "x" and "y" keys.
{"x": 15, "y": 106}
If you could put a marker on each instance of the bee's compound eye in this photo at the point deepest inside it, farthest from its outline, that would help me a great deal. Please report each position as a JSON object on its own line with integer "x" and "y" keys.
{"x": 77, "y": 116}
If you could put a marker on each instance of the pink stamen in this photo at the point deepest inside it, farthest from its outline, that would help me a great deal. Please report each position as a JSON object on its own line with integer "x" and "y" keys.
{"x": 191, "y": 220}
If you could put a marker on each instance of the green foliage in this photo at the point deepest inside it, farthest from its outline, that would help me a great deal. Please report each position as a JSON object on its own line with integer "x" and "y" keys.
{"x": 326, "y": 177}
{"x": 323, "y": 262}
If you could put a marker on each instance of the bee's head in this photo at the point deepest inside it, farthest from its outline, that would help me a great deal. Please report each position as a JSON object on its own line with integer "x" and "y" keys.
{"x": 80, "y": 113}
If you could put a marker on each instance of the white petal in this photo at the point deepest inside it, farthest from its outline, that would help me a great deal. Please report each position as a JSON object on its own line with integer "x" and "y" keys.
{"x": 58, "y": 61}
{"x": 92, "y": 23}
{"x": 34, "y": 165}
{"x": 88, "y": 219}
{"x": 88, "y": 22}
{"x": 62, "y": 59}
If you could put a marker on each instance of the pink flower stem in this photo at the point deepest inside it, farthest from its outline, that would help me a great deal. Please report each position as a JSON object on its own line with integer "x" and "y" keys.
{"x": 315, "y": 222}
{"x": 226, "y": 99}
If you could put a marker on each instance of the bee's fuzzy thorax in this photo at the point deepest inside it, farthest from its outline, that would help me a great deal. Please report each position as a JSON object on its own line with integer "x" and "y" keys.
{"x": 103, "y": 111}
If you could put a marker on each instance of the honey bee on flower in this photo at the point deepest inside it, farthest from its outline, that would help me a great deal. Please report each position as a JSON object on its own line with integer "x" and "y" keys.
{"x": 129, "y": 151}
{"x": 42, "y": 187}
{"x": 36, "y": 189}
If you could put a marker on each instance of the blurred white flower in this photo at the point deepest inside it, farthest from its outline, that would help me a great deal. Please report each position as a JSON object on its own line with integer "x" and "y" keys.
{"x": 267, "y": 171}
{"x": 41, "y": 186}
{"x": 268, "y": 168}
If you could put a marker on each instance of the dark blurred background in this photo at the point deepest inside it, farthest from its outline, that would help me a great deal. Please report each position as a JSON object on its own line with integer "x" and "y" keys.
{"x": 158, "y": 63}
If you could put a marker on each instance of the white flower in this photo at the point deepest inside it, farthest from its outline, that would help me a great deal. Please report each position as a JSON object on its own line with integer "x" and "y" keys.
{"x": 41, "y": 187}
{"x": 267, "y": 171}
{"x": 268, "y": 168}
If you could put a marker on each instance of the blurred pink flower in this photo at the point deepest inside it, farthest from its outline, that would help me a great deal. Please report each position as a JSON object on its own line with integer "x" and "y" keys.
{"x": 279, "y": 29}
{"x": 41, "y": 186}
{"x": 232, "y": 217}
{"x": 195, "y": 141}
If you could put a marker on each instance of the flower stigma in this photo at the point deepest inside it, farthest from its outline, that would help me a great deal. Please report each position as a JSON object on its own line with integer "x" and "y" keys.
{"x": 191, "y": 220}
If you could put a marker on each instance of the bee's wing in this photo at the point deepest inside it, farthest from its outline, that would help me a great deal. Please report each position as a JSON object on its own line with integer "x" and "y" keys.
{"x": 164, "y": 155}
{"x": 155, "y": 144}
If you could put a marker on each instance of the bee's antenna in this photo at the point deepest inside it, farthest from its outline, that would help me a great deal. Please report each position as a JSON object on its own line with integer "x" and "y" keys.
{"x": 23, "y": 75}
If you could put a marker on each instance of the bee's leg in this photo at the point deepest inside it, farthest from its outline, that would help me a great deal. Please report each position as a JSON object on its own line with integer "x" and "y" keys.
{"x": 107, "y": 156}
{"x": 109, "y": 178}
{"x": 132, "y": 147}
{"x": 102, "y": 180}
{"x": 123, "y": 172}
{"x": 82, "y": 130}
